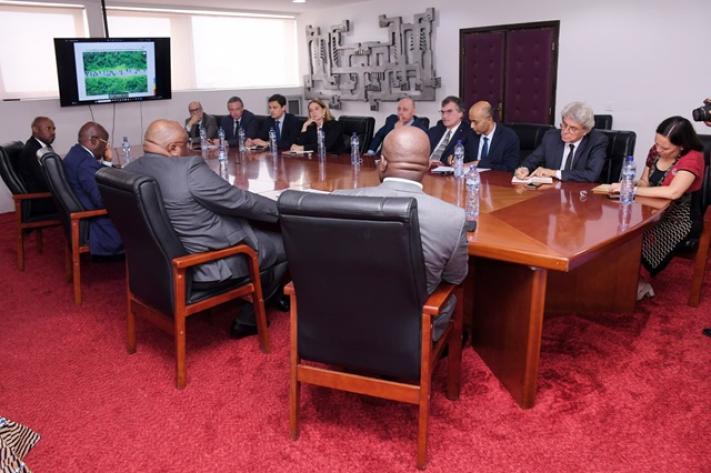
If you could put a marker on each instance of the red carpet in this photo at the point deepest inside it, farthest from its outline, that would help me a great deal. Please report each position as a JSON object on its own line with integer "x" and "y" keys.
{"x": 617, "y": 393}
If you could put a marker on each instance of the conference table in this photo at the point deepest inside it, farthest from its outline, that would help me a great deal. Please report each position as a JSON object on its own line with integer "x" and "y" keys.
{"x": 555, "y": 248}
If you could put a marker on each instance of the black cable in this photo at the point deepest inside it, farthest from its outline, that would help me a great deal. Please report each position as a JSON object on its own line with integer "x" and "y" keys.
{"x": 106, "y": 21}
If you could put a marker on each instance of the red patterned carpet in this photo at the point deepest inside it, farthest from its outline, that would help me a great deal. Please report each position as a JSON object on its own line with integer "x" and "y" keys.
{"x": 617, "y": 393}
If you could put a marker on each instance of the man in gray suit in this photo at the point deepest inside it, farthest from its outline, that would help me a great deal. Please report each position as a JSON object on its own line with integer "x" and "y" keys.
{"x": 404, "y": 162}
{"x": 208, "y": 213}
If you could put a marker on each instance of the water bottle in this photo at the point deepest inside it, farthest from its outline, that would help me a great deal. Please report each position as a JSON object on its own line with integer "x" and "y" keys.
{"x": 203, "y": 137}
{"x": 273, "y": 140}
{"x": 459, "y": 160}
{"x": 321, "y": 141}
{"x": 629, "y": 172}
{"x": 471, "y": 210}
{"x": 224, "y": 172}
{"x": 221, "y": 137}
{"x": 222, "y": 155}
{"x": 355, "y": 150}
{"x": 125, "y": 151}
{"x": 242, "y": 140}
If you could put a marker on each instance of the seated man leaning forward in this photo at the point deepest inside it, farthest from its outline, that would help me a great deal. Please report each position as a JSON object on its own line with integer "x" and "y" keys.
{"x": 208, "y": 213}
{"x": 575, "y": 153}
{"x": 405, "y": 116}
{"x": 404, "y": 162}
{"x": 80, "y": 166}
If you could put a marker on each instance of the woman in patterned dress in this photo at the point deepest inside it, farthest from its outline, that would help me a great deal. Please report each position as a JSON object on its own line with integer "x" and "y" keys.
{"x": 674, "y": 170}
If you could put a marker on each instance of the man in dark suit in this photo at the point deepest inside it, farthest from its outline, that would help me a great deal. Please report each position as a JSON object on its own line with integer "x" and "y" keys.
{"x": 80, "y": 165}
{"x": 403, "y": 164}
{"x": 405, "y": 116}
{"x": 43, "y": 134}
{"x": 238, "y": 118}
{"x": 208, "y": 213}
{"x": 198, "y": 118}
{"x": 450, "y": 130}
{"x": 284, "y": 124}
{"x": 497, "y": 146}
{"x": 576, "y": 152}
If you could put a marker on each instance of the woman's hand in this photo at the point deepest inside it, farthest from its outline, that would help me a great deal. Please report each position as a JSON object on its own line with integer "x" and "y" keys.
{"x": 296, "y": 148}
{"x": 306, "y": 125}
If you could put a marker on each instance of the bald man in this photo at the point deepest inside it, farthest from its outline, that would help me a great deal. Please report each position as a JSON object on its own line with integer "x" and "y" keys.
{"x": 497, "y": 146}
{"x": 403, "y": 164}
{"x": 405, "y": 117}
{"x": 199, "y": 118}
{"x": 43, "y": 133}
{"x": 208, "y": 213}
{"x": 80, "y": 165}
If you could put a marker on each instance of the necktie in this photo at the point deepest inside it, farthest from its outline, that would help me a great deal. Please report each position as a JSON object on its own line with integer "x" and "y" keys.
{"x": 569, "y": 159}
{"x": 484, "y": 149}
{"x": 277, "y": 130}
{"x": 235, "y": 127}
{"x": 437, "y": 153}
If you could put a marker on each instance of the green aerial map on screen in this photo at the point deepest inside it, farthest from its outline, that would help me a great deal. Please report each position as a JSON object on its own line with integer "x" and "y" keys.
{"x": 115, "y": 72}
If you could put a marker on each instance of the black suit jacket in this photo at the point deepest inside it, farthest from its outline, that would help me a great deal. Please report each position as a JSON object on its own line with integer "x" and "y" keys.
{"x": 30, "y": 169}
{"x": 333, "y": 137}
{"x": 389, "y": 126}
{"x": 504, "y": 150}
{"x": 287, "y": 135}
{"x": 248, "y": 123}
{"x": 588, "y": 160}
{"x": 463, "y": 133}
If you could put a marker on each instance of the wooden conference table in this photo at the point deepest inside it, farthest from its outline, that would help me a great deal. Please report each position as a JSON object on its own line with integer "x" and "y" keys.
{"x": 556, "y": 248}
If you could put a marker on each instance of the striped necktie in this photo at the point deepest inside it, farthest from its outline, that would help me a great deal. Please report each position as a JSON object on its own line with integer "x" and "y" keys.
{"x": 437, "y": 153}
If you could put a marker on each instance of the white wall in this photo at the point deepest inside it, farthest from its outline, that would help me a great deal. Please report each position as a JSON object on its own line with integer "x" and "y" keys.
{"x": 640, "y": 61}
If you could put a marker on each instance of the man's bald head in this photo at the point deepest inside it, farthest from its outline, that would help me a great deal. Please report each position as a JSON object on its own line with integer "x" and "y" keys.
{"x": 405, "y": 154}
{"x": 481, "y": 117}
{"x": 93, "y": 137}
{"x": 165, "y": 137}
{"x": 405, "y": 109}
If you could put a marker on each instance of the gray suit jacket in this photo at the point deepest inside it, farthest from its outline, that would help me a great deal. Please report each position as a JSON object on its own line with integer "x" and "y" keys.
{"x": 210, "y": 124}
{"x": 206, "y": 212}
{"x": 444, "y": 239}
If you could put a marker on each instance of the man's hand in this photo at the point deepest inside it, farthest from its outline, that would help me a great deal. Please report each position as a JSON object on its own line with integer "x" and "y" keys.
{"x": 297, "y": 148}
{"x": 108, "y": 154}
{"x": 194, "y": 119}
{"x": 435, "y": 164}
{"x": 543, "y": 172}
{"x": 521, "y": 173}
{"x": 256, "y": 142}
{"x": 707, "y": 101}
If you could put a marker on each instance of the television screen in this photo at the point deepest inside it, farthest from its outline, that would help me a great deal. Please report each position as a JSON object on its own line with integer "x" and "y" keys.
{"x": 105, "y": 70}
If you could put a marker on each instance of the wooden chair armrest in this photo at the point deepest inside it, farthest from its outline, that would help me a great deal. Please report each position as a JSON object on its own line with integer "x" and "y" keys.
{"x": 88, "y": 214}
{"x": 289, "y": 288}
{"x": 434, "y": 303}
{"x": 187, "y": 261}
{"x": 707, "y": 215}
{"x": 34, "y": 195}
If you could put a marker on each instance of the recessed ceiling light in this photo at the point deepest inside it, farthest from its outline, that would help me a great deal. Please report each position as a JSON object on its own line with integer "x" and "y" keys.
{"x": 298, "y": 1}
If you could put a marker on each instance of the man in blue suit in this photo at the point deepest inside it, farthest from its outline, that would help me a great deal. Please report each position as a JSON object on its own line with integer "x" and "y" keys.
{"x": 575, "y": 153}
{"x": 450, "y": 130}
{"x": 80, "y": 165}
{"x": 284, "y": 124}
{"x": 405, "y": 116}
{"x": 497, "y": 147}
{"x": 238, "y": 118}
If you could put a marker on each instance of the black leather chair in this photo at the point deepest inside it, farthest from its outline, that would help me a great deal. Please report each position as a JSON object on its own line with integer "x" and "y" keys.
{"x": 159, "y": 269}
{"x": 218, "y": 119}
{"x": 27, "y": 216}
{"x": 363, "y": 308}
{"x": 427, "y": 122}
{"x": 603, "y": 122}
{"x": 260, "y": 120}
{"x": 363, "y": 126}
{"x": 530, "y": 135}
{"x": 620, "y": 144}
{"x": 700, "y": 253}
{"x": 73, "y": 216}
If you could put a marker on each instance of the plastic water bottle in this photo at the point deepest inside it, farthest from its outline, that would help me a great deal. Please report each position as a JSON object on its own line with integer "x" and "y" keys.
{"x": 471, "y": 209}
{"x": 125, "y": 151}
{"x": 459, "y": 160}
{"x": 321, "y": 141}
{"x": 203, "y": 137}
{"x": 629, "y": 172}
{"x": 224, "y": 172}
{"x": 355, "y": 150}
{"x": 273, "y": 140}
{"x": 242, "y": 140}
{"x": 221, "y": 137}
{"x": 222, "y": 155}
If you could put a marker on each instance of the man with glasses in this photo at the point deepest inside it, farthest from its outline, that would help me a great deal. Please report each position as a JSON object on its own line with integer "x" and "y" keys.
{"x": 448, "y": 131}
{"x": 198, "y": 119}
{"x": 80, "y": 164}
{"x": 575, "y": 153}
{"x": 208, "y": 213}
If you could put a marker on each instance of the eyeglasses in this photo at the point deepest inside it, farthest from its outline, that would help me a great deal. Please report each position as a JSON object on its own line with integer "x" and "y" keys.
{"x": 573, "y": 129}
{"x": 191, "y": 110}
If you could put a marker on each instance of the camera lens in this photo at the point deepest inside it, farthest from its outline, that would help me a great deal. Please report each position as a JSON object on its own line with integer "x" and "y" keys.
{"x": 702, "y": 114}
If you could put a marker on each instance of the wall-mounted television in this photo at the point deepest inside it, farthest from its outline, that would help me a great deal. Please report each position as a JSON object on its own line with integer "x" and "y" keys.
{"x": 106, "y": 70}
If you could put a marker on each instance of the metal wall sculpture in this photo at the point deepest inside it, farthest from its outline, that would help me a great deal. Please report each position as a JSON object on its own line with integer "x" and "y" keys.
{"x": 373, "y": 71}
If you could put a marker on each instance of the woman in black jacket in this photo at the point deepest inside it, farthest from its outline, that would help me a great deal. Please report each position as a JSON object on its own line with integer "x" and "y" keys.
{"x": 319, "y": 117}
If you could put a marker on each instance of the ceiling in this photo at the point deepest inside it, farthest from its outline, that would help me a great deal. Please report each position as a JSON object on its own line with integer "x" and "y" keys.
{"x": 273, "y": 6}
